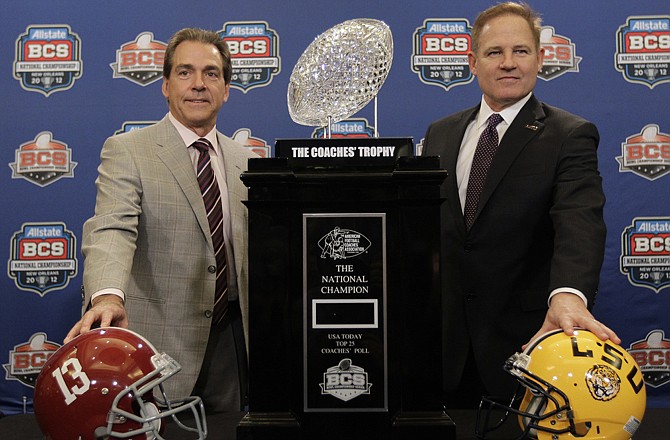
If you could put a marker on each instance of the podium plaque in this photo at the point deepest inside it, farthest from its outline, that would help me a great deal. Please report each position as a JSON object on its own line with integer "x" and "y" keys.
{"x": 344, "y": 259}
{"x": 344, "y": 294}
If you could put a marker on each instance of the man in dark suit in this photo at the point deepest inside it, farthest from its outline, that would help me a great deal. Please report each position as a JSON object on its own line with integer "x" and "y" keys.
{"x": 150, "y": 261}
{"x": 525, "y": 257}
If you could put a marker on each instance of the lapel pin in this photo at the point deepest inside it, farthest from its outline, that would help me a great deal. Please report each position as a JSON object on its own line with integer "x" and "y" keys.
{"x": 531, "y": 127}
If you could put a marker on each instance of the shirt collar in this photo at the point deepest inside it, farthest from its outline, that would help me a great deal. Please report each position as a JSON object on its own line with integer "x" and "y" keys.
{"x": 189, "y": 136}
{"x": 508, "y": 114}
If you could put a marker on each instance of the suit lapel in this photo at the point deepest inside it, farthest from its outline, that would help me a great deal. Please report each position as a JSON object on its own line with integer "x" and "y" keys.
{"x": 236, "y": 196}
{"x": 174, "y": 155}
{"x": 525, "y": 127}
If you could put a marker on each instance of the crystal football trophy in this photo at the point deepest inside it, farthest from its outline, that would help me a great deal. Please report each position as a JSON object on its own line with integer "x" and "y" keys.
{"x": 340, "y": 72}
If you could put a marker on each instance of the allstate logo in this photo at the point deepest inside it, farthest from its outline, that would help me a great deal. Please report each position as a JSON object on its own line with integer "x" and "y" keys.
{"x": 345, "y": 381}
{"x": 129, "y": 126}
{"x": 348, "y": 128}
{"x": 343, "y": 243}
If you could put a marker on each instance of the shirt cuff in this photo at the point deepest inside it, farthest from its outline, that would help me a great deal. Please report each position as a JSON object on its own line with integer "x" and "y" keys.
{"x": 109, "y": 291}
{"x": 567, "y": 290}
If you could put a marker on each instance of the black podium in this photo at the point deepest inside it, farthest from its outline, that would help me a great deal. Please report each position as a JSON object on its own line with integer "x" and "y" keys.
{"x": 344, "y": 297}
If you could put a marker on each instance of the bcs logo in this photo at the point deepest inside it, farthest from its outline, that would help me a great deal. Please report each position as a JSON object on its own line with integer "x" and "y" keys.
{"x": 559, "y": 55}
{"x": 48, "y": 59}
{"x": 43, "y": 257}
{"x": 254, "y": 52}
{"x": 27, "y": 359}
{"x": 643, "y": 50}
{"x": 43, "y": 160}
{"x": 349, "y": 128}
{"x": 140, "y": 61}
{"x": 645, "y": 253}
{"x": 646, "y": 154}
{"x": 652, "y": 354}
{"x": 440, "y": 53}
{"x": 257, "y": 145}
{"x": 345, "y": 381}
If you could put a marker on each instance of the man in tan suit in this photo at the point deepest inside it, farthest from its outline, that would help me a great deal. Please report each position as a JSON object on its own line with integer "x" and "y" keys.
{"x": 149, "y": 259}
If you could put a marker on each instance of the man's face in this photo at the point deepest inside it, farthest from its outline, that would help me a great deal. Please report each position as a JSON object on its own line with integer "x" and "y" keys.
{"x": 506, "y": 62}
{"x": 196, "y": 89}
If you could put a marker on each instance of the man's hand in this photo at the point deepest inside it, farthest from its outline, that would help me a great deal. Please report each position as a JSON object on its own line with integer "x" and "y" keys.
{"x": 108, "y": 310}
{"x": 567, "y": 311}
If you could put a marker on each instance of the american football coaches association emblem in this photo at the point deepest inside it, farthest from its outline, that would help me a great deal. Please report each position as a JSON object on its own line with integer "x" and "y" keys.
{"x": 343, "y": 243}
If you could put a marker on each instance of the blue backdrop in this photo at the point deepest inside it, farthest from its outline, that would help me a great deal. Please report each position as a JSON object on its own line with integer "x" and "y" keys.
{"x": 73, "y": 73}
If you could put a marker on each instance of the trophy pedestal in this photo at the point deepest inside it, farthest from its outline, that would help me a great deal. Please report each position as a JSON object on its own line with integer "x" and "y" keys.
{"x": 344, "y": 300}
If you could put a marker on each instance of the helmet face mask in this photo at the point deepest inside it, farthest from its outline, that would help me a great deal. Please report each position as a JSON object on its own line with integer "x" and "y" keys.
{"x": 570, "y": 387}
{"x": 108, "y": 383}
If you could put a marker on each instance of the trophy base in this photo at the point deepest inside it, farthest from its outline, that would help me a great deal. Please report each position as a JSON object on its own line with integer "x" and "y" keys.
{"x": 404, "y": 426}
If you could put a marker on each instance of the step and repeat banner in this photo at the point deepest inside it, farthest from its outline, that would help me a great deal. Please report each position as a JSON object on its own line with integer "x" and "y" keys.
{"x": 73, "y": 73}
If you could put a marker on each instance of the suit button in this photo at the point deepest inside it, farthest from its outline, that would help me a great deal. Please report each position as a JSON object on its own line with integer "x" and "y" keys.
{"x": 470, "y": 296}
{"x": 467, "y": 247}
{"x": 211, "y": 269}
{"x": 208, "y": 313}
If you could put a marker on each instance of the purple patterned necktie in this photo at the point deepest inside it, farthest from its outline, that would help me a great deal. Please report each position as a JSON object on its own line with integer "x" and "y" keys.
{"x": 211, "y": 195}
{"x": 486, "y": 149}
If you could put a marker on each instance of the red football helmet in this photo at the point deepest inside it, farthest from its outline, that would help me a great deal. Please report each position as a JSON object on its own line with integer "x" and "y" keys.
{"x": 103, "y": 384}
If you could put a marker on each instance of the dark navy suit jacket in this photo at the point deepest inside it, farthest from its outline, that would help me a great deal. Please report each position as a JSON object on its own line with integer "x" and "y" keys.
{"x": 539, "y": 226}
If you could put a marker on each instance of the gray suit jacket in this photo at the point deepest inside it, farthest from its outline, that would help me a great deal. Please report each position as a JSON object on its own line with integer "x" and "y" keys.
{"x": 150, "y": 238}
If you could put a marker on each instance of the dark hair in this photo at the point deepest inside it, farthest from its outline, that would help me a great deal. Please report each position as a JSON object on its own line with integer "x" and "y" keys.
{"x": 522, "y": 10}
{"x": 201, "y": 36}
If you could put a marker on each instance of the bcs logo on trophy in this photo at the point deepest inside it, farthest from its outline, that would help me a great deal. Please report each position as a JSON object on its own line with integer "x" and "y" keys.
{"x": 254, "y": 52}
{"x": 559, "y": 55}
{"x": 141, "y": 60}
{"x": 440, "y": 54}
{"x": 643, "y": 50}
{"x": 43, "y": 160}
{"x": 48, "y": 58}
{"x": 27, "y": 359}
{"x": 645, "y": 253}
{"x": 652, "y": 354}
{"x": 646, "y": 154}
{"x": 345, "y": 381}
{"x": 43, "y": 257}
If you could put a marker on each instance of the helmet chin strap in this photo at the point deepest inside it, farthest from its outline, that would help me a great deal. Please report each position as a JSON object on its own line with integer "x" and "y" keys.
{"x": 152, "y": 410}
{"x": 536, "y": 406}
{"x": 100, "y": 433}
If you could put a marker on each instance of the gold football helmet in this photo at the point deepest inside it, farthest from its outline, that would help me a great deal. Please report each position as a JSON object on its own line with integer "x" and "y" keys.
{"x": 570, "y": 387}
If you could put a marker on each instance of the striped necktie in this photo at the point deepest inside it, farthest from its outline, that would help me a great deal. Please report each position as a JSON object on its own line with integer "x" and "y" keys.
{"x": 211, "y": 196}
{"x": 481, "y": 162}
